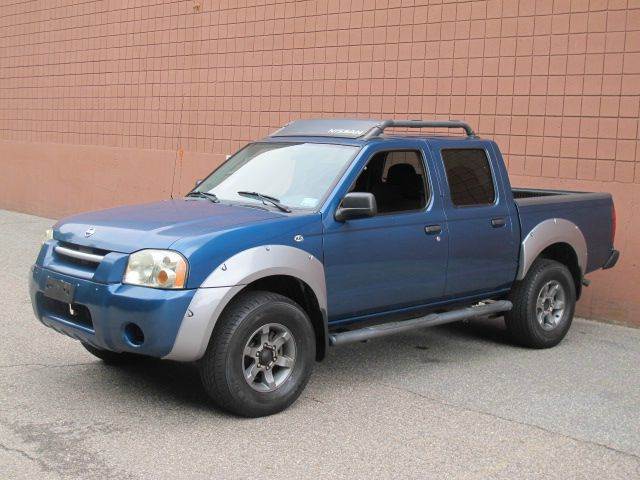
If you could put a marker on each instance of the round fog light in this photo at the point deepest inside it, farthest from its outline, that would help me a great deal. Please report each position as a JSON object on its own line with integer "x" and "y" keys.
{"x": 133, "y": 334}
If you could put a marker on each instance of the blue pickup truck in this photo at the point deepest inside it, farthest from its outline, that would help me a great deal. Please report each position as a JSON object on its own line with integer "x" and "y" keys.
{"x": 327, "y": 232}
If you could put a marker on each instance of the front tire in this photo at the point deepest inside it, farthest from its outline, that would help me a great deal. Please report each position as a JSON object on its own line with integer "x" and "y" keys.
{"x": 543, "y": 305}
{"x": 260, "y": 355}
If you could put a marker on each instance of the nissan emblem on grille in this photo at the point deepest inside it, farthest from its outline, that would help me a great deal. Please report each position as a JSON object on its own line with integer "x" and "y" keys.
{"x": 90, "y": 231}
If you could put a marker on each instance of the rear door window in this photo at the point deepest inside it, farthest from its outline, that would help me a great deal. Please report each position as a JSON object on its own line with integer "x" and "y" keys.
{"x": 469, "y": 176}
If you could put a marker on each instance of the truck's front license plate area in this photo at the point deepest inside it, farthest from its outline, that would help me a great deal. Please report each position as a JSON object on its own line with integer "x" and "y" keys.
{"x": 59, "y": 290}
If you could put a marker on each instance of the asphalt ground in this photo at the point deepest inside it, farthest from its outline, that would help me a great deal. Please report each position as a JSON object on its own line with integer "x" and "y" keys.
{"x": 456, "y": 401}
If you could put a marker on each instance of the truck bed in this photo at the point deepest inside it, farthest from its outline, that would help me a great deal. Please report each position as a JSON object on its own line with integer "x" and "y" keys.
{"x": 523, "y": 193}
{"x": 591, "y": 212}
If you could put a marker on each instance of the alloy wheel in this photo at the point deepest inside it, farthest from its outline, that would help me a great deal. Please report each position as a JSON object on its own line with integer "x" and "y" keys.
{"x": 550, "y": 305}
{"x": 268, "y": 357}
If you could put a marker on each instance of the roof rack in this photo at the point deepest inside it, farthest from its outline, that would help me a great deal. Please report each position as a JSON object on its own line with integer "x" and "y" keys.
{"x": 379, "y": 129}
{"x": 326, "y": 127}
{"x": 356, "y": 128}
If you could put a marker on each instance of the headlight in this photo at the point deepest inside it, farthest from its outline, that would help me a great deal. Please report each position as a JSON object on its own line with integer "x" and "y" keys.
{"x": 48, "y": 235}
{"x": 156, "y": 268}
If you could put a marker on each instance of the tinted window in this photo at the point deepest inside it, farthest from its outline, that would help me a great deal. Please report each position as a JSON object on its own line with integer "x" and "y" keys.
{"x": 469, "y": 176}
{"x": 397, "y": 180}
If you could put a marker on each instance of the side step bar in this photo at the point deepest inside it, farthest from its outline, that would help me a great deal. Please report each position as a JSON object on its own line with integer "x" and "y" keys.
{"x": 430, "y": 320}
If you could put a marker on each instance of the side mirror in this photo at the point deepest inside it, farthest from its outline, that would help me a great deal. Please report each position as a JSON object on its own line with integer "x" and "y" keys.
{"x": 356, "y": 205}
{"x": 198, "y": 182}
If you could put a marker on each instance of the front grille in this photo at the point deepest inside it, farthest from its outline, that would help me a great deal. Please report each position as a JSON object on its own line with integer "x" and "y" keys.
{"x": 80, "y": 316}
{"x": 79, "y": 255}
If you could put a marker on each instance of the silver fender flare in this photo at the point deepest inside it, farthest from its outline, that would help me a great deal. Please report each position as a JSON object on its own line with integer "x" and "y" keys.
{"x": 229, "y": 278}
{"x": 546, "y": 233}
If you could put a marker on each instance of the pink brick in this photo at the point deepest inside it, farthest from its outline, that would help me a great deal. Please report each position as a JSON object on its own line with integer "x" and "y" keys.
{"x": 626, "y": 150}
{"x": 605, "y": 170}
{"x": 556, "y": 82}
{"x": 628, "y": 128}
{"x": 533, "y": 166}
{"x": 550, "y": 167}
{"x": 586, "y": 169}
{"x": 567, "y": 168}
{"x": 624, "y": 172}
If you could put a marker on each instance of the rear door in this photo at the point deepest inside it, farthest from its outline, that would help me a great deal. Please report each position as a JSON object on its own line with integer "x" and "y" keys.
{"x": 398, "y": 258}
{"x": 483, "y": 250}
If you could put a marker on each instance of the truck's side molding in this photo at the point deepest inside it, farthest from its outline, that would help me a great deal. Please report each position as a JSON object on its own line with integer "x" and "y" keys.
{"x": 547, "y": 233}
{"x": 229, "y": 278}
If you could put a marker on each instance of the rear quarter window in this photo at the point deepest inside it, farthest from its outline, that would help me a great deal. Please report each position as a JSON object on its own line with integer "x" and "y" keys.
{"x": 469, "y": 176}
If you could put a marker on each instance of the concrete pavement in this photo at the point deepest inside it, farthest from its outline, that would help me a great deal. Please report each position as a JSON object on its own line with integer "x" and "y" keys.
{"x": 449, "y": 402}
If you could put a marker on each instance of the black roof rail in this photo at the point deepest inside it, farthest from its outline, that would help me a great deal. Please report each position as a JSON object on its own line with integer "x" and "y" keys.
{"x": 378, "y": 129}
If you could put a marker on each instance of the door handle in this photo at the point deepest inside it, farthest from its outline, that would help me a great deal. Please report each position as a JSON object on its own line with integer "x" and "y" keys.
{"x": 498, "y": 222}
{"x": 433, "y": 229}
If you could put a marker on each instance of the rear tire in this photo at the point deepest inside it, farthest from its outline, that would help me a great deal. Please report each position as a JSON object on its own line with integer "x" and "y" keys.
{"x": 113, "y": 358}
{"x": 543, "y": 305}
{"x": 260, "y": 355}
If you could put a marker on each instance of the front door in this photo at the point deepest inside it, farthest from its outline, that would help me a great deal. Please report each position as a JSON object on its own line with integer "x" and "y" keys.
{"x": 398, "y": 258}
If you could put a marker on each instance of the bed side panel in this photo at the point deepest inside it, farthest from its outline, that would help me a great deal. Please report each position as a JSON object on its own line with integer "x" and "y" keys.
{"x": 591, "y": 212}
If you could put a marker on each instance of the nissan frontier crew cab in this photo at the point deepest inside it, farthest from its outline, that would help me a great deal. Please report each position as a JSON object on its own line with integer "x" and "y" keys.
{"x": 327, "y": 232}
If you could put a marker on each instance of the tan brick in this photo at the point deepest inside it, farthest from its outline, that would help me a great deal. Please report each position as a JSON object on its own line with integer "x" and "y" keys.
{"x": 557, "y": 83}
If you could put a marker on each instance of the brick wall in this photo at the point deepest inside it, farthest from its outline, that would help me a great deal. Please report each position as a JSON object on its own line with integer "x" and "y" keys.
{"x": 109, "y": 102}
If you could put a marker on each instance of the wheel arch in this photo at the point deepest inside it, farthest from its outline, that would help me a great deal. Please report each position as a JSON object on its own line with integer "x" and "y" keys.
{"x": 565, "y": 254}
{"x": 556, "y": 239}
{"x": 301, "y": 293}
{"x": 282, "y": 269}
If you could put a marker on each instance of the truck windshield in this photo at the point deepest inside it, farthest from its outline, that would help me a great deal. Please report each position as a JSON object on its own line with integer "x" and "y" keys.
{"x": 297, "y": 175}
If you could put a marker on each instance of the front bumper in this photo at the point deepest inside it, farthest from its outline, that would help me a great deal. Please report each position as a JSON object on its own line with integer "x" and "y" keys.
{"x": 111, "y": 307}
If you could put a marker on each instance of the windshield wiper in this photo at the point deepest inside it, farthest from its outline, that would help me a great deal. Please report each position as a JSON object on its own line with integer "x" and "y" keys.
{"x": 209, "y": 196}
{"x": 266, "y": 198}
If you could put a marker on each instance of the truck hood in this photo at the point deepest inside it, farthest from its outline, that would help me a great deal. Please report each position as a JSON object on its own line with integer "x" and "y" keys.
{"x": 154, "y": 225}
